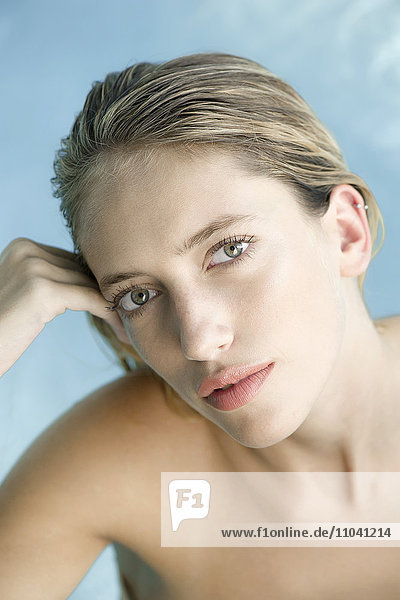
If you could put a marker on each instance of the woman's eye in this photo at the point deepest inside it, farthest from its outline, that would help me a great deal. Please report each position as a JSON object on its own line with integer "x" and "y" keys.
{"x": 230, "y": 251}
{"x": 136, "y": 298}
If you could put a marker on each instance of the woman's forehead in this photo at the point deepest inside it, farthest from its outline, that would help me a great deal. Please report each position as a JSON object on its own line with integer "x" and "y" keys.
{"x": 182, "y": 194}
{"x": 149, "y": 212}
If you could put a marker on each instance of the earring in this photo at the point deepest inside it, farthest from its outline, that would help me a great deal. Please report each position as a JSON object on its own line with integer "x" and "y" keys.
{"x": 359, "y": 206}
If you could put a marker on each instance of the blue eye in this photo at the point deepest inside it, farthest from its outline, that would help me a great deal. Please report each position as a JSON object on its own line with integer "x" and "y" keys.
{"x": 234, "y": 249}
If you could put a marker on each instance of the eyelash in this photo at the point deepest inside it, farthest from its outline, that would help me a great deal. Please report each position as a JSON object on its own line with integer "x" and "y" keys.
{"x": 121, "y": 292}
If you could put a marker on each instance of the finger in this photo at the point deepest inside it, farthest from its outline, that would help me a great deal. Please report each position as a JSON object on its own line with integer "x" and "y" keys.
{"x": 33, "y": 267}
{"x": 55, "y": 250}
{"x": 89, "y": 299}
{"x": 64, "y": 262}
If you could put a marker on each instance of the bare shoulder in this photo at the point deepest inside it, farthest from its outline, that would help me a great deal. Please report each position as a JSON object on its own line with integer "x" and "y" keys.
{"x": 390, "y": 328}
{"x": 134, "y": 436}
{"x": 130, "y": 410}
{"x": 89, "y": 457}
{"x": 132, "y": 417}
{"x": 75, "y": 486}
{"x": 392, "y": 321}
{"x": 118, "y": 425}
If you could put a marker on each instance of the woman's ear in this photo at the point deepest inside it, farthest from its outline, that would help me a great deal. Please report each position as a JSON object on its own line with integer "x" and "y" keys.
{"x": 349, "y": 221}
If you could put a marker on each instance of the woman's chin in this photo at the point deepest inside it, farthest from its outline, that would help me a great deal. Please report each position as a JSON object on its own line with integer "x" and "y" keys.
{"x": 262, "y": 436}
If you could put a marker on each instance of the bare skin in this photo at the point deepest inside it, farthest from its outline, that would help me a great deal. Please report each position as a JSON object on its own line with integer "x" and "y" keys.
{"x": 150, "y": 571}
{"x": 333, "y": 405}
{"x": 293, "y": 300}
{"x": 39, "y": 282}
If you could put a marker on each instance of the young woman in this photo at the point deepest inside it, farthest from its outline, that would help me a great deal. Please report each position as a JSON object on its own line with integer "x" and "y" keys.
{"x": 220, "y": 240}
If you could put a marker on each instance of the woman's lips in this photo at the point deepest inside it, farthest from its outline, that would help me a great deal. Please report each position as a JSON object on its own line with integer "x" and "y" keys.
{"x": 239, "y": 393}
{"x": 228, "y": 376}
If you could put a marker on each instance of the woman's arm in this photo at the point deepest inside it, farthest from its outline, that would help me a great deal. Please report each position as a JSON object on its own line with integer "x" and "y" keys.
{"x": 54, "y": 503}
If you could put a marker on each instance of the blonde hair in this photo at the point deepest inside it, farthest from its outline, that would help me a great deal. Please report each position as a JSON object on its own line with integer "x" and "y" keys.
{"x": 195, "y": 103}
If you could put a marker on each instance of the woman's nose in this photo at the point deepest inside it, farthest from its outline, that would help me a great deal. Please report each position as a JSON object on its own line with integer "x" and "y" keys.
{"x": 205, "y": 327}
{"x": 206, "y": 341}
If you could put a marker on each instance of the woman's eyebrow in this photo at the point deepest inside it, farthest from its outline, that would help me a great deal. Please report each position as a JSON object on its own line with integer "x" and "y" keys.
{"x": 217, "y": 224}
{"x": 221, "y": 222}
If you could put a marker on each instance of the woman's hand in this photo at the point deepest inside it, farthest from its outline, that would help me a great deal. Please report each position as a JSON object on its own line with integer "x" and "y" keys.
{"x": 37, "y": 283}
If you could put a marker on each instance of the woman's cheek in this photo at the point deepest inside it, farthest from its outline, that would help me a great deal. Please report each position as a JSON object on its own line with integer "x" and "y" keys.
{"x": 297, "y": 307}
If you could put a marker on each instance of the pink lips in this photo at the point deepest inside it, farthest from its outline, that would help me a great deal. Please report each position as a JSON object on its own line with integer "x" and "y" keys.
{"x": 241, "y": 392}
{"x": 227, "y": 376}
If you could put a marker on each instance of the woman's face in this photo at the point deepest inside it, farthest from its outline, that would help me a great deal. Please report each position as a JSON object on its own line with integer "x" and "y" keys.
{"x": 264, "y": 289}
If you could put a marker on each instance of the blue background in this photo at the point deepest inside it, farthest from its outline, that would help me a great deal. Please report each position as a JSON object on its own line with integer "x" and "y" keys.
{"x": 342, "y": 56}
